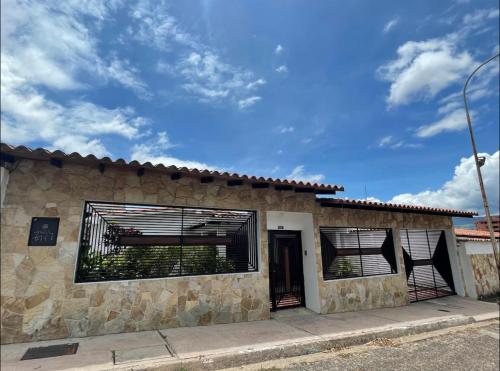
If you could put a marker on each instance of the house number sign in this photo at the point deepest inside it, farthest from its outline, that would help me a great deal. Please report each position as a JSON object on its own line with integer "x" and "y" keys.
{"x": 43, "y": 231}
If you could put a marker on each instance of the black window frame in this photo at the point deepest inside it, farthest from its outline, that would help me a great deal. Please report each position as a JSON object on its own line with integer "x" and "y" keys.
{"x": 234, "y": 250}
{"x": 346, "y": 255}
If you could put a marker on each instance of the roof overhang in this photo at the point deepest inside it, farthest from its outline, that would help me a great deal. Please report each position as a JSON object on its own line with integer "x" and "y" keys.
{"x": 58, "y": 158}
{"x": 380, "y": 206}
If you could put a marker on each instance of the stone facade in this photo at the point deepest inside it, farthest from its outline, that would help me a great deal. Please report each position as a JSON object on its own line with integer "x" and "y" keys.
{"x": 370, "y": 292}
{"x": 485, "y": 274}
{"x": 40, "y": 300}
{"x": 478, "y": 267}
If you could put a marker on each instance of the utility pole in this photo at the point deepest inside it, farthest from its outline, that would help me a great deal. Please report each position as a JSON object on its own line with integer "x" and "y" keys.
{"x": 479, "y": 163}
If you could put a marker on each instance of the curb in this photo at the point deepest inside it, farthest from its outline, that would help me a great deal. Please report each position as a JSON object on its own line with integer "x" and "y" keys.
{"x": 245, "y": 357}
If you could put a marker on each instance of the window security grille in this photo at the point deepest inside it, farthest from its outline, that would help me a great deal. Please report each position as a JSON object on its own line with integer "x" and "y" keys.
{"x": 132, "y": 241}
{"x": 356, "y": 252}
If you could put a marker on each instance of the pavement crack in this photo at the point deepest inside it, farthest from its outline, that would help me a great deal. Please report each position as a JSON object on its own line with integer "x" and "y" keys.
{"x": 169, "y": 347}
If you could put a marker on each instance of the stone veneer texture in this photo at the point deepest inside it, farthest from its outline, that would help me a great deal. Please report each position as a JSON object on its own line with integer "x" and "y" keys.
{"x": 485, "y": 274}
{"x": 40, "y": 300}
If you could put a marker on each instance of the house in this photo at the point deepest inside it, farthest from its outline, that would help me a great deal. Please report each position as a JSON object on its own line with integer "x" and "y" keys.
{"x": 477, "y": 262}
{"x": 95, "y": 246}
{"x": 482, "y": 225}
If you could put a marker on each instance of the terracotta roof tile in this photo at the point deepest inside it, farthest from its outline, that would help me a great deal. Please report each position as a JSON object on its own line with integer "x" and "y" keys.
{"x": 474, "y": 233}
{"x": 44, "y": 154}
{"x": 372, "y": 205}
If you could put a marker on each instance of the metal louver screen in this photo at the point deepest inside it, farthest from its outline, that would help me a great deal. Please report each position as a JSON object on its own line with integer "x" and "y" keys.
{"x": 356, "y": 252}
{"x": 132, "y": 241}
{"x": 427, "y": 264}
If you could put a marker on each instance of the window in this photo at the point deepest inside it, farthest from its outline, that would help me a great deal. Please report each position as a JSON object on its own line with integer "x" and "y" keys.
{"x": 356, "y": 252}
{"x": 131, "y": 241}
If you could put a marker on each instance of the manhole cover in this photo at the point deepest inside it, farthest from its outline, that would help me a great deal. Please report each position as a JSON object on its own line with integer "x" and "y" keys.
{"x": 50, "y": 351}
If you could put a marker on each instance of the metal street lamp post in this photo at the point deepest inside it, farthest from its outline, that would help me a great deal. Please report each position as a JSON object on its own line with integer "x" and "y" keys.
{"x": 480, "y": 162}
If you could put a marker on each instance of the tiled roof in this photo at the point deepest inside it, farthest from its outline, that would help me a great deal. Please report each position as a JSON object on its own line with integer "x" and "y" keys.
{"x": 372, "y": 205}
{"x": 45, "y": 154}
{"x": 474, "y": 234}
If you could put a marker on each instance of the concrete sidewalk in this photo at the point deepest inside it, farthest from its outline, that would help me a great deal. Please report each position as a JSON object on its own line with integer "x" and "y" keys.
{"x": 289, "y": 333}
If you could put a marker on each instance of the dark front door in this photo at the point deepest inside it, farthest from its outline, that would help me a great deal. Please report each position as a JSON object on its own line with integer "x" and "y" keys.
{"x": 286, "y": 276}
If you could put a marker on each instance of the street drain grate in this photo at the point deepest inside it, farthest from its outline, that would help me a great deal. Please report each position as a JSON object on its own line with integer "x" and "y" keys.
{"x": 50, "y": 351}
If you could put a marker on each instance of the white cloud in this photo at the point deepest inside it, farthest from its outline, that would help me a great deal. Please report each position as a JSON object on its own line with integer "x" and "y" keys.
{"x": 154, "y": 153}
{"x": 452, "y": 121}
{"x": 28, "y": 116}
{"x": 462, "y": 191}
{"x": 279, "y": 49}
{"x": 80, "y": 144}
{"x": 154, "y": 26}
{"x": 282, "y": 69}
{"x": 451, "y": 108}
{"x": 286, "y": 129}
{"x": 255, "y": 84}
{"x": 391, "y": 24}
{"x": 208, "y": 79}
{"x": 275, "y": 169}
{"x": 299, "y": 174}
{"x": 385, "y": 141}
{"x": 202, "y": 72}
{"x": 423, "y": 69}
{"x": 248, "y": 102}
{"x": 122, "y": 72}
{"x": 391, "y": 142}
{"x": 51, "y": 44}
{"x": 476, "y": 19}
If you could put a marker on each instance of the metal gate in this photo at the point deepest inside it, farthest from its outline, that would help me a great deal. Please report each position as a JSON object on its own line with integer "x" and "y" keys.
{"x": 427, "y": 264}
{"x": 286, "y": 278}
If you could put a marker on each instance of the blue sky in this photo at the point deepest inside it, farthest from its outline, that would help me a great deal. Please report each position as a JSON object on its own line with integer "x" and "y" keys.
{"x": 359, "y": 93}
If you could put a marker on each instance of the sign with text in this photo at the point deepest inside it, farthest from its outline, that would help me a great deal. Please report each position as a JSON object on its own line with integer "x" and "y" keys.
{"x": 43, "y": 231}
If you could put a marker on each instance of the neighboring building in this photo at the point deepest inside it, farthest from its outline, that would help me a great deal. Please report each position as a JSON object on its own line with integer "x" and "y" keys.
{"x": 482, "y": 225}
{"x": 477, "y": 262}
{"x": 93, "y": 246}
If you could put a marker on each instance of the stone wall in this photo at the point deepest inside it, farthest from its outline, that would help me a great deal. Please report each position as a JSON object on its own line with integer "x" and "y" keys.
{"x": 485, "y": 274}
{"x": 40, "y": 300}
{"x": 478, "y": 268}
{"x": 39, "y": 297}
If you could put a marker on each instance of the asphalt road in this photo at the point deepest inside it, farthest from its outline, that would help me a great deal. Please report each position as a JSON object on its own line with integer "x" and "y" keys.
{"x": 471, "y": 348}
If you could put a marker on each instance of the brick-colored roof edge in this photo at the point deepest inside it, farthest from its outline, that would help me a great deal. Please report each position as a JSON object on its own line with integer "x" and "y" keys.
{"x": 75, "y": 157}
{"x": 474, "y": 234}
{"x": 372, "y": 205}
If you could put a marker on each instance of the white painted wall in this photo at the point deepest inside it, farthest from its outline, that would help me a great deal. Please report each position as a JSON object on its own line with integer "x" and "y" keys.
{"x": 466, "y": 268}
{"x": 4, "y": 180}
{"x": 478, "y": 247}
{"x": 458, "y": 278}
{"x": 302, "y": 222}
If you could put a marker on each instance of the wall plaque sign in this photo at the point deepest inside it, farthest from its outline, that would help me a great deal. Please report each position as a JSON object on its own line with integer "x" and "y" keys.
{"x": 43, "y": 231}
